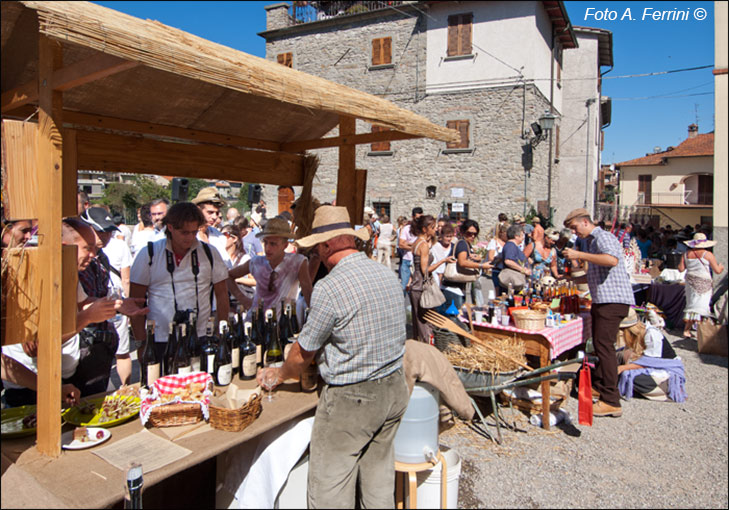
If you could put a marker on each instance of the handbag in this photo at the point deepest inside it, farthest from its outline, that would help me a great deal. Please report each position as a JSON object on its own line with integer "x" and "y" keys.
{"x": 584, "y": 401}
{"x": 712, "y": 338}
{"x": 432, "y": 297}
{"x": 511, "y": 276}
{"x": 454, "y": 273}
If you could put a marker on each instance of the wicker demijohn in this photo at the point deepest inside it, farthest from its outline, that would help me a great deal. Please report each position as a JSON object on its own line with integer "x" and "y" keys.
{"x": 172, "y": 415}
{"x": 530, "y": 320}
{"x": 235, "y": 420}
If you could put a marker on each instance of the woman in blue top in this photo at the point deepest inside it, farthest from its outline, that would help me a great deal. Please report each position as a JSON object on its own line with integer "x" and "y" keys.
{"x": 512, "y": 256}
{"x": 545, "y": 256}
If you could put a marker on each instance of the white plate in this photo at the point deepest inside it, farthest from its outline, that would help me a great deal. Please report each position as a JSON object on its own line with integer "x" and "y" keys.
{"x": 69, "y": 443}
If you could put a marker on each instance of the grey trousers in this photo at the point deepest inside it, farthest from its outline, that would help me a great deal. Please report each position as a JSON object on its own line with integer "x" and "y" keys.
{"x": 352, "y": 441}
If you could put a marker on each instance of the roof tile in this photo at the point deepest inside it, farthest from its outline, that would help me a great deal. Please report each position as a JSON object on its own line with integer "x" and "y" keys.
{"x": 700, "y": 145}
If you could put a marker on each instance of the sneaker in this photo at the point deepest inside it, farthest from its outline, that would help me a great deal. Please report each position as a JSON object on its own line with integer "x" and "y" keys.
{"x": 600, "y": 408}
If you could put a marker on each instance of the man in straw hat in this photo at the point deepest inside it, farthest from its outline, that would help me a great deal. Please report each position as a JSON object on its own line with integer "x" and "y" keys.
{"x": 697, "y": 263}
{"x": 612, "y": 296}
{"x": 277, "y": 273}
{"x": 357, "y": 327}
{"x": 210, "y": 202}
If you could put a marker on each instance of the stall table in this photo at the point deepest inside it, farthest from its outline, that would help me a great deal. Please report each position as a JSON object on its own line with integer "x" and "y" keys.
{"x": 81, "y": 479}
{"x": 546, "y": 344}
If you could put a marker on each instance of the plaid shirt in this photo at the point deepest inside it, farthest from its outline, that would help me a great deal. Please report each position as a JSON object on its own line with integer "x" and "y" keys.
{"x": 357, "y": 316}
{"x": 608, "y": 284}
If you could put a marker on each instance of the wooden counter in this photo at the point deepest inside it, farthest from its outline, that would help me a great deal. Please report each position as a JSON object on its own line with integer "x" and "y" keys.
{"x": 80, "y": 479}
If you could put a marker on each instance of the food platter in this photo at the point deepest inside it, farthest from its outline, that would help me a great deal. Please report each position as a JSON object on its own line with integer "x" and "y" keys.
{"x": 97, "y": 436}
{"x": 12, "y": 422}
{"x": 89, "y": 412}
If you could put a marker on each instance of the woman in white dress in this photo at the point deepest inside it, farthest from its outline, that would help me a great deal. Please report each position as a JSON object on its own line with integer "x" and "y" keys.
{"x": 384, "y": 241}
{"x": 696, "y": 262}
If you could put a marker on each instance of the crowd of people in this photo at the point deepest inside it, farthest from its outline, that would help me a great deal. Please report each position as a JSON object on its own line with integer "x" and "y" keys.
{"x": 187, "y": 257}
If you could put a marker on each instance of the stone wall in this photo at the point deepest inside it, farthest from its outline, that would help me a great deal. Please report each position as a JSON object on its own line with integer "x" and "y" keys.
{"x": 491, "y": 174}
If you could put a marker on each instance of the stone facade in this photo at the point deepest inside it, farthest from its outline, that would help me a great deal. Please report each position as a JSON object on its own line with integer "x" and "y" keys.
{"x": 490, "y": 174}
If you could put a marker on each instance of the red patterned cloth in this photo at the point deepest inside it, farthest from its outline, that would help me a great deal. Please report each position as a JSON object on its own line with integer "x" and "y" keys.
{"x": 168, "y": 384}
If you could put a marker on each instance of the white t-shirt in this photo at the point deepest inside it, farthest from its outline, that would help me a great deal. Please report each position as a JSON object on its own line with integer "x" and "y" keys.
{"x": 495, "y": 245}
{"x": 70, "y": 351}
{"x": 140, "y": 240}
{"x": 161, "y": 299}
{"x": 440, "y": 252}
{"x": 120, "y": 256}
{"x": 385, "y": 238}
{"x": 218, "y": 240}
{"x": 408, "y": 238}
{"x": 124, "y": 231}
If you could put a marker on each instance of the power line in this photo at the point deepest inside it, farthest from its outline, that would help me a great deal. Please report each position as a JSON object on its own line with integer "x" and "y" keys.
{"x": 657, "y": 73}
{"x": 661, "y": 97}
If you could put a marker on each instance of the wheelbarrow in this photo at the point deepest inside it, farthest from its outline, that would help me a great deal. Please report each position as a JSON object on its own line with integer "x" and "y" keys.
{"x": 487, "y": 385}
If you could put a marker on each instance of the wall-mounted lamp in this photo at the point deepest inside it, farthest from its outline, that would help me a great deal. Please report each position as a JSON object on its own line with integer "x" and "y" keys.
{"x": 430, "y": 191}
{"x": 541, "y": 129}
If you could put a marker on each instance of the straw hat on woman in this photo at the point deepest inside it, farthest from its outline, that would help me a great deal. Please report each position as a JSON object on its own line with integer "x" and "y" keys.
{"x": 698, "y": 263}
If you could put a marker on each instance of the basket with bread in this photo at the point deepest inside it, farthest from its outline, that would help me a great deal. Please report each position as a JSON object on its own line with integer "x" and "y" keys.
{"x": 179, "y": 399}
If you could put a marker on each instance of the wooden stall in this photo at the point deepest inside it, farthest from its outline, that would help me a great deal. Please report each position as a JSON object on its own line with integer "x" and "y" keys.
{"x": 104, "y": 90}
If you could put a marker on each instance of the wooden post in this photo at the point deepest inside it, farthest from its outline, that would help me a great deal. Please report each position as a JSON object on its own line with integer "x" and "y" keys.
{"x": 50, "y": 172}
{"x": 69, "y": 192}
{"x": 346, "y": 180}
{"x": 360, "y": 177}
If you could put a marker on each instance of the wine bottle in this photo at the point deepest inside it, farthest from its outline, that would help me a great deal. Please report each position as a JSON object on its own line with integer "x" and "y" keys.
{"x": 149, "y": 363}
{"x": 283, "y": 325}
{"x": 223, "y": 364}
{"x": 248, "y": 364}
{"x": 193, "y": 342}
{"x": 256, "y": 337}
{"x": 207, "y": 355}
{"x": 169, "y": 355}
{"x": 267, "y": 337}
{"x": 294, "y": 321}
{"x": 182, "y": 357}
{"x": 237, "y": 338}
{"x": 274, "y": 351}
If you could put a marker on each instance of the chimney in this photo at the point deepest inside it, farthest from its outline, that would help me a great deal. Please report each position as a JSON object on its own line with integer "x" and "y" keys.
{"x": 277, "y": 16}
{"x": 693, "y": 130}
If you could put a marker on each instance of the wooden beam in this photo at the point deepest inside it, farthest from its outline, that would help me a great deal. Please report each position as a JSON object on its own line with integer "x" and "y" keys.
{"x": 117, "y": 153}
{"x": 69, "y": 191}
{"x": 84, "y": 120}
{"x": 49, "y": 161}
{"x": 346, "y": 179}
{"x": 93, "y": 68}
{"x": 322, "y": 143}
{"x": 360, "y": 177}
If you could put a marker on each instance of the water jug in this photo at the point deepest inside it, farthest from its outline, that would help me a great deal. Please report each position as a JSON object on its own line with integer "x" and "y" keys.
{"x": 417, "y": 438}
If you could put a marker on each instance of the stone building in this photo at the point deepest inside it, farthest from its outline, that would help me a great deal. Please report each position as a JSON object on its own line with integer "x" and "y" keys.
{"x": 487, "y": 69}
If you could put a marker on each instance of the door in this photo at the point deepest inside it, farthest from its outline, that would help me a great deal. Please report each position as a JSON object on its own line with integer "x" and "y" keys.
{"x": 644, "y": 187}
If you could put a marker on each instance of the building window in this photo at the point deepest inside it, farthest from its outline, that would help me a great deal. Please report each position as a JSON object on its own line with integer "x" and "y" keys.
{"x": 462, "y": 126}
{"x": 382, "y": 51}
{"x": 644, "y": 187}
{"x": 381, "y": 209}
{"x": 285, "y": 59}
{"x": 383, "y": 146}
{"x": 460, "y": 28}
{"x": 457, "y": 211}
{"x": 706, "y": 190}
{"x": 559, "y": 67}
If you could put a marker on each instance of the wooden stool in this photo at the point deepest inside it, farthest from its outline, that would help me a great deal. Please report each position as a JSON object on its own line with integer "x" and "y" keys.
{"x": 403, "y": 469}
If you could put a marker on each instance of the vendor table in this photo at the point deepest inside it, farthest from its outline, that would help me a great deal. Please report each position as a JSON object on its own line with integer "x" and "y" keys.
{"x": 80, "y": 479}
{"x": 546, "y": 344}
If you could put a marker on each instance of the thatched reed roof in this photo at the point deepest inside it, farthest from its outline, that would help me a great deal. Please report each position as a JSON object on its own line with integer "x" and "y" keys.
{"x": 184, "y": 81}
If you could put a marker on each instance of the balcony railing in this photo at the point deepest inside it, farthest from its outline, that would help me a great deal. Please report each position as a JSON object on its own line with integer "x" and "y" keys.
{"x": 306, "y": 12}
{"x": 688, "y": 197}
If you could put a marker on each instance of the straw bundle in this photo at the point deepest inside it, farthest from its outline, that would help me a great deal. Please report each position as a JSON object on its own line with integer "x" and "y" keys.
{"x": 482, "y": 359}
{"x": 168, "y": 49}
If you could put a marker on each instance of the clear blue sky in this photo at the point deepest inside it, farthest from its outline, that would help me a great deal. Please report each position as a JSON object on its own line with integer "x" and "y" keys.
{"x": 639, "y": 46}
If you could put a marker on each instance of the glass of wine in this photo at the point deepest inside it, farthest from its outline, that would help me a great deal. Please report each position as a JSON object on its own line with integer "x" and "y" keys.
{"x": 270, "y": 378}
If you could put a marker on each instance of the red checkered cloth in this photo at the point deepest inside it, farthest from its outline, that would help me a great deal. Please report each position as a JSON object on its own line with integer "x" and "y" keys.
{"x": 561, "y": 338}
{"x": 168, "y": 384}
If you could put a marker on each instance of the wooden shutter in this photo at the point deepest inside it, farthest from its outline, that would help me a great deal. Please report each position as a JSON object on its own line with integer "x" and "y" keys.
{"x": 462, "y": 127}
{"x": 382, "y": 51}
{"x": 644, "y": 186}
{"x": 379, "y": 146}
{"x": 460, "y": 29}
{"x": 285, "y": 59}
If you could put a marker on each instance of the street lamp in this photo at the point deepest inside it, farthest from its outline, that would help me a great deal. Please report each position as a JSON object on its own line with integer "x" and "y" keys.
{"x": 541, "y": 130}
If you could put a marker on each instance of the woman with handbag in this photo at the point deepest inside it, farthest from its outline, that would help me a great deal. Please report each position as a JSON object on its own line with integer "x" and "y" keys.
{"x": 513, "y": 265}
{"x": 467, "y": 267}
{"x": 495, "y": 247}
{"x": 424, "y": 228}
{"x": 698, "y": 262}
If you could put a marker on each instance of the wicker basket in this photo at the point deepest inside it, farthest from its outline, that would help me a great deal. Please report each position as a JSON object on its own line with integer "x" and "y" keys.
{"x": 530, "y": 320}
{"x": 235, "y": 420}
{"x": 172, "y": 415}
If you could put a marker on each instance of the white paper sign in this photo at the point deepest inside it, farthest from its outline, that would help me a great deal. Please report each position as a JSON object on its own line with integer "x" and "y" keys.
{"x": 457, "y": 207}
{"x": 457, "y": 192}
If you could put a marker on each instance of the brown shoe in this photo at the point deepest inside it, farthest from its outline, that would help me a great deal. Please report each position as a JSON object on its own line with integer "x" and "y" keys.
{"x": 600, "y": 408}
{"x": 595, "y": 394}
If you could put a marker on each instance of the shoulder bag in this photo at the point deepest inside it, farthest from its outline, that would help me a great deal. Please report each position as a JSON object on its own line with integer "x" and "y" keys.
{"x": 511, "y": 276}
{"x": 455, "y": 273}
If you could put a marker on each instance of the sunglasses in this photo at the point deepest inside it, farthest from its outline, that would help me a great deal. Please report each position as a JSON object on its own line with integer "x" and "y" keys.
{"x": 272, "y": 280}
{"x": 470, "y": 234}
{"x": 228, "y": 234}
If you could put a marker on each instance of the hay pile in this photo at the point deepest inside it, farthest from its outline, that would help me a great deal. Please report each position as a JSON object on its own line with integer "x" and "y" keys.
{"x": 482, "y": 359}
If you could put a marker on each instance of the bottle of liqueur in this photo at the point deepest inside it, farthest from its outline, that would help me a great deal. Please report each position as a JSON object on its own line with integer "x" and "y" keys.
{"x": 223, "y": 364}
{"x": 207, "y": 357}
{"x": 169, "y": 355}
{"x": 274, "y": 351}
{"x": 193, "y": 342}
{"x": 234, "y": 345}
{"x": 256, "y": 338}
{"x": 248, "y": 364}
{"x": 150, "y": 364}
{"x": 181, "y": 365}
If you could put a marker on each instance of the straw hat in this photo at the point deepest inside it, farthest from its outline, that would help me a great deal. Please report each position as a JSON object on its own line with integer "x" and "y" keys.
{"x": 519, "y": 219}
{"x": 699, "y": 241}
{"x": 552, "y": 234}
{"x": 329, "y": 222}
{"x": 630, "y": 320}
{"x": 276, "y": 227}
{"x": 536, "y": 219}
{"x": 209, "y": 195}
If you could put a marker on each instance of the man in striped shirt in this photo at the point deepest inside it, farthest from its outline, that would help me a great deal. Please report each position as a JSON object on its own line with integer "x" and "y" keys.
{"x": 612, "y": 296}
{"x": 356, "y": 330}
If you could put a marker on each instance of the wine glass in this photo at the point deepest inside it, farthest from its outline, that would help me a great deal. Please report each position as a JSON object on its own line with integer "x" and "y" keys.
{"x": 270, "y": 378}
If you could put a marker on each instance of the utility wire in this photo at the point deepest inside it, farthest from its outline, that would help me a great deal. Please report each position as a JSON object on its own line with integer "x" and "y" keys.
{"x": 661, "y": 97}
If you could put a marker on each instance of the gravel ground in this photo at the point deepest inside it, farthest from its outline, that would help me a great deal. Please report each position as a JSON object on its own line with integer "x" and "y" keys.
{"x": 657, "y": 455}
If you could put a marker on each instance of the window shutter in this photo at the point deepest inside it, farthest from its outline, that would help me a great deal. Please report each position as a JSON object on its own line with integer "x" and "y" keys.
{"x": 465, "y": 34}
{"x": 463, "y": 129}
{"x": 280, "y": 58}
{"x": 556, "y": 141}
{"x": 387, "y": 50}
{"x": 453, "y": 35}
{"x": 376, "y": 52}
{"x": 285, "y": 59}
{"x": 379, "y": 146}
{"x": 452, "y": 124}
